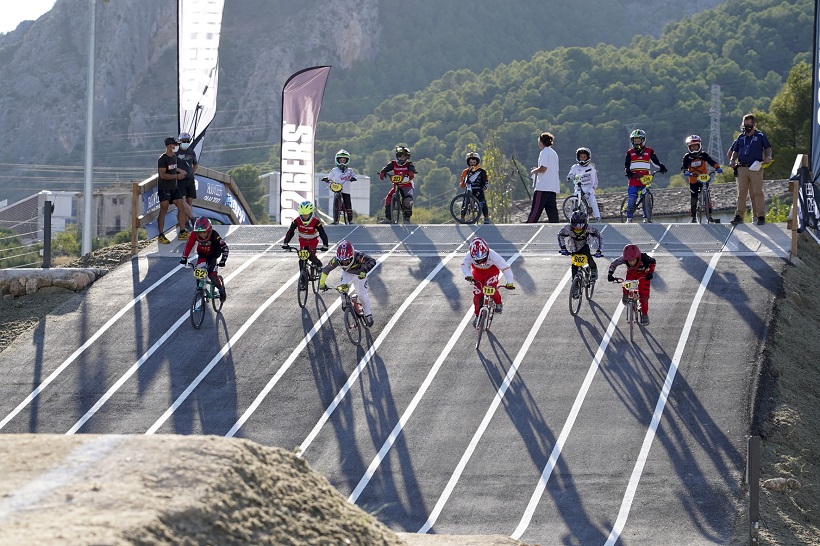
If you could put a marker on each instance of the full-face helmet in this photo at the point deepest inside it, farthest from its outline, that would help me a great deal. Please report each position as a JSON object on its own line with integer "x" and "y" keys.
{"x": 342, "y": 159}
{"x": 636, "y": 135}
{"x": 631, "y": 252}
{"x": 402, "y": 154}
{"x": 202, "y": 228}
{"x": 473, "y": 155}
{"x": 479, "y": 251}
{"x": 583, "y": 162}
{"x": 579, "y": 221}
{"x": 306, "y": 211}
{"x": 694, "y": 144}
{"x": 344, "y": 254}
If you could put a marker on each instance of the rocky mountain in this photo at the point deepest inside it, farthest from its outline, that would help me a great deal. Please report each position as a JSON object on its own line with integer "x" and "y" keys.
{"x": 43, "y": 70}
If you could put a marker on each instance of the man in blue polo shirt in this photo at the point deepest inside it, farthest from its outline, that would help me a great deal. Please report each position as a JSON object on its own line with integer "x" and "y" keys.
{"x": 748, "y": 155}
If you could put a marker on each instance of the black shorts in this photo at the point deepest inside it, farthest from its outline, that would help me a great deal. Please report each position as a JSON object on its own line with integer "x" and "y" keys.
{"x": 187, "y": 187}
{"x": 168, "y": 192}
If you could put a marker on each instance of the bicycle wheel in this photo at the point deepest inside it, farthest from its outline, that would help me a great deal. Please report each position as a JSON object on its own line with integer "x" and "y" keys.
{"x": 575, "y": 295}
{"x": 352, "y": 326}
{"x": 340, "y": 206}
{"x": 571, "y": 204}
{"x": 198, "y": 308}
{"x": 302, "y": 288}
{"x": 623, "y": 209}
{"x": 648, "y": 206}
{"x": 216, "y": 301}
{"x": 464, "y": 208}
{"x": 395, "y": 209}
{"x": 480, "y": 325}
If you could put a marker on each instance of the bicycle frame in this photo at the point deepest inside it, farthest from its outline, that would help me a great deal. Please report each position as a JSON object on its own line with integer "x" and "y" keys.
{"x": 397, "y": 206}
{"x": 581, "y": 283}
{"x": 465, "y": 208}
{"x": 644, "y": 200}
{"x": 576, "y": 201}
{"x": 633, "y": 306}
{"x": 353, "y": 313}
{"x": 338, "y": 202}
{"x": 205, "y": 291}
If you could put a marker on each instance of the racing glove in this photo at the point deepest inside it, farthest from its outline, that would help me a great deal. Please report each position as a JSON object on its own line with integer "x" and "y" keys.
{"x": 325, "y": 179}
{"x": 362, "y": 274}
{"x": 381, "y": 175}
{"x": 221, "y": 263}
{"x": 323, "y": 248}
{"x": 469, "y": 278}
{"x": 610, "y": 277}
{"x": 509, "y": 286}
{"x": 630, "y": 174}
{"x": 599, "y": 254}
{"x": 664, "y": 170}
{"x": 184, "y": 260}
{"x": 650, "y": 276}
{"x": 564, "y": 251}
{"x": 285, "y": 246}
{"x": 719, "y": 170}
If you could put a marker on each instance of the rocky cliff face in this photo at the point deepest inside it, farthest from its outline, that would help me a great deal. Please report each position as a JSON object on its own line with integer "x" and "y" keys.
{"x": 43, "y": 80}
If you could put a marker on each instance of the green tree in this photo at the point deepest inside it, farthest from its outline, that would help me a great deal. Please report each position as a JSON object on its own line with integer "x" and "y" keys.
{"x": 247, "y": 180}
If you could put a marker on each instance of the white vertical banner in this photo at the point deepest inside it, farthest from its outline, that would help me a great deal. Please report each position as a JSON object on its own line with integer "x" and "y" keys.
{"x": 199, "y": 26}
{"x": 301, "y": 102}
{"x": 815, "y": 126}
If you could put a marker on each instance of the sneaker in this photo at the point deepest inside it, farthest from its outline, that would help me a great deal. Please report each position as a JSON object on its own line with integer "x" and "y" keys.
{"x": 223, "y": 295}
{"x": 162, "y": 239}
{"x": 182, "y": 235}
{"x": 693, "y": 220}
{"x": 647, "y": 221}
{"x": 761, "y": 220}
{"x": 629, "y": 220}
{"x": 596, "y": 219}
{"x": 644, "y": 320}
{"x": 368, "y": 320}
{"x": 487, "y": 221}
{"x": 499, "y": 307}
{"x": 625, "y": 299}
{"x": 385, "y": 221}
{"x": 736, "y": 220}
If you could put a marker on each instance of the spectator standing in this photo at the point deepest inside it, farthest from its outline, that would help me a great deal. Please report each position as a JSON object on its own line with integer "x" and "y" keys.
{"x": 167, "y": 188}
{"x": 546, "y": 181}
{"x": 748, "y": 154}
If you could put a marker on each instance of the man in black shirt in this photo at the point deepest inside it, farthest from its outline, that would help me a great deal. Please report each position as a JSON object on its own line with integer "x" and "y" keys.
{"x": 167, "y": 187}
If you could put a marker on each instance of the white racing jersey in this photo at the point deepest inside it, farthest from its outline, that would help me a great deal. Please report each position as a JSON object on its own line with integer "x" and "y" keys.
{"x": 589, "y": 177}
{"x": 494, "y": 259}
{"x": 343, "y": 178}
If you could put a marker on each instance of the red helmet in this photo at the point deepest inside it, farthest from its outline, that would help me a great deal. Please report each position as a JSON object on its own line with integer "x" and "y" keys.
{"x": 202, "y": 228}
{"x": 344, "y": 253}
{"x": 479, "y": 251}
{"x": 631, "y": 252}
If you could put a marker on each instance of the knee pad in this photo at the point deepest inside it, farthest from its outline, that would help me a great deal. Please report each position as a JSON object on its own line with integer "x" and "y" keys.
{"x": 408, "y": 203}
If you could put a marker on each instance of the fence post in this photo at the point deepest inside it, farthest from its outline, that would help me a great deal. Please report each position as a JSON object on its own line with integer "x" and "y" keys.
{"x": 48, "y": 208}
{"x": 753, "y": 479}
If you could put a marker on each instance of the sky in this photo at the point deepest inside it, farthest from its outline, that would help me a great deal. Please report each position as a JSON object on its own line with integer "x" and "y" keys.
{"x": 17, "y": 11}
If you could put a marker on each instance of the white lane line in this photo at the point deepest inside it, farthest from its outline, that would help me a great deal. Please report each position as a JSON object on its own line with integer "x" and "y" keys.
{"x": 69, "y": 471}
{"x": 225, "y": 349}
{"x": 629, "y": 494}
{"x": 394, "y": 434}
{"x": 67, "y": 362}
{"x": 299, "y": 348}
{"x": 655, "y": 248}
{"x": 157, "y": 344}
{"x": 568, "y": 424}
{"x": 465, "y": 458}
{"x": 366, "y": 358}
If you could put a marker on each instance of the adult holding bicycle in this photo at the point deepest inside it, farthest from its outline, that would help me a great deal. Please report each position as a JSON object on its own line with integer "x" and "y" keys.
{"x": 481, "y": 266}
{"x": 210, "y": 246}
{"x": 639, "y": 161}
{"x": 475, "y": 179}
{"x": 584, "y": 171}
{"x": 310, "y": 230}
{"x": 574, "y": 238}
{"x": 694, "y": 163}
{"x": 639, "y": 265}
{"x": 355, "y": 267}
{"x": 344, "y": 175}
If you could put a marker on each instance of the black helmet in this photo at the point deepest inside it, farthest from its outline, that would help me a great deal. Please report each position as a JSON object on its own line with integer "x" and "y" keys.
{"x": 578, "y": 221}
{"x": 580, "y": 151}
